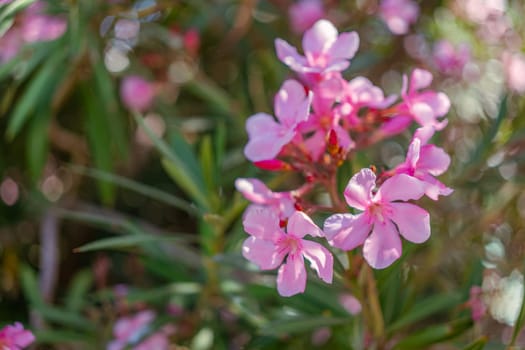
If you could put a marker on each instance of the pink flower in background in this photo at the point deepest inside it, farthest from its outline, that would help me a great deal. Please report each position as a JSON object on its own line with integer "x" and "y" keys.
{"x": 269, "y": 246}
{"x": 425, "y": 161}
{"x": 192, "y": 41}
{"x": 304, "y": 13}
{"x": 266, "y": 136}
{"x": 15, "y": 337}
{"x": 382, "y": 212}
{"x": 350, "y": 303}
{"x": 37, "y": 26}
{"x": 325, "y": 51}
{"x": 514, "y": 65}
{"x": 129, "y": 330}
{"x": 254, "y": 190}
{"x": 481, "y": 10}
{"x": 136, "y": 93}
{"x": 475, "y": 303}
{"x": 425, "y": 107}
{"x": 399, "y": 14}
{"x": 450, "y": 60}
{"x": 32, "y": 26}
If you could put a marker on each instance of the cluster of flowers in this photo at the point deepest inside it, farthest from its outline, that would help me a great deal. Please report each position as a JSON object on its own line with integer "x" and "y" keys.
{"x": 322, "y": 120}
{"x": 15, "y": 337}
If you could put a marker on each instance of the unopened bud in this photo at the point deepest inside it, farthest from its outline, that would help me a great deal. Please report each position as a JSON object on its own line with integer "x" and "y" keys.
{"x": 273, "y": 165}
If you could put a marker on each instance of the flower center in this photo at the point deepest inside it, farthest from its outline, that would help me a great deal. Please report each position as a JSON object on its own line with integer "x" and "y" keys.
{"x": 290, "y": 244}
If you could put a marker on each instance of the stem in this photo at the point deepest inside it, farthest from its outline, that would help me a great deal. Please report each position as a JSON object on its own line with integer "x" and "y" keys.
{"x": 331, "y": 187}
{"x": 378, "y": 324}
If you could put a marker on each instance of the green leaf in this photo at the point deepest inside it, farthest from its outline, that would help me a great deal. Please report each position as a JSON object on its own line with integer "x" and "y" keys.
{"x": 38, "y": 144}
{"x": 478, "y": 344}
{"x": 61, "y": 336}
{"x": 63, "y": 317}
{"x": 176, "y": 168}
{"x": 12, "y": 8}
{"x": 434, "y": 334}
{"x": 140, "y": 188}
{"x": 99, "y": 137}
{"x": 40, "y": 90}
{"x": 122, "y": 242}
{"x": 426, "y": 308}
{"x": 180, "y": 175}
{"x": 79, "y": 287}
{"x": 30, "y": 285}
{"x": 489, "y": 136}
{"x": 115, "y": 120}
{"x": 300, "y": 324}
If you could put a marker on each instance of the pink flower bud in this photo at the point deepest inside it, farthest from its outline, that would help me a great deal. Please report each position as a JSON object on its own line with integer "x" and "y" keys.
{"x": 136, "y": 93}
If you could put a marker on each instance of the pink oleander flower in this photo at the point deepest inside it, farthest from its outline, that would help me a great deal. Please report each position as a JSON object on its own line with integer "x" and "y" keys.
{"x": 425, "y": 161}
{"x": 129, "y": 330}
{"x": 304, "y": 13}
{"x": 325, "y": 119}
{"x": 399, "y": 14}
{"x": 450, "y": 60}
{"x": 137, "y": 93}
{"x": 269, "y": 245}
{"x": 15, "y": 337}
{"x": 254, "y": 190}
{"x": 266, "y": 136}
{"x": 384, "y": 216}
{"x": 37, "y": 26}
{"x": 425, "y": 107}
{"x": 360, "y": 93}
{"x": 325, "y": 51}
{"x": 514, "y": 65}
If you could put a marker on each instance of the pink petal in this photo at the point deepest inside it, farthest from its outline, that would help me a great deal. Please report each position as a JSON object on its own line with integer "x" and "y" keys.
{"x": 291, "y": 278}
{"x": 291, "y": 104}
{"x": 413, "y": 153}
{"x": 358, "y": 192}
{"x": 420, "y": 79}
{"x": 345, "y": 46}
{"x": 253, "y": 190}
{"x": 262, "y": 253}
{"x": 320, "y": 259}
{"x": 434, "y": 160}
{"x": 262, "y": 222}
{"x": 423, "y": 114}
{"x": 346, "y": 231}
{"x": 424, "y": 134}
{"x": 412, "y": 221}
{"x": 266, "y": 137}
{"x": 434, "y": 188}
{"x": 400, "y": 187}
{"x": 289, "y": 55}
{"x": 319, "y": 38}
{"x": 300, "y": 225}
{"x": 261, "y": 123}
{"x": 383, "y": 247}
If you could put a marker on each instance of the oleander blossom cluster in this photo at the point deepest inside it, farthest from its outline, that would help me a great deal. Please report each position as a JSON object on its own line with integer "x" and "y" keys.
{"x": 320, "y": 122}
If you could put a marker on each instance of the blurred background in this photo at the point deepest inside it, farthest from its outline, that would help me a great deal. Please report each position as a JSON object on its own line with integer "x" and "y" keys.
{"x": 122, "y": 133}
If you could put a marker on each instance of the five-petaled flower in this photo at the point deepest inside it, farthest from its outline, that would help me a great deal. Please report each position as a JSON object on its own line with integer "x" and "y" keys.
{"x": 383, "y": 210}
{"x": 269, "y": 245}
{"x": 267, "y": 137}
{"x": 15, "y": 337}
{"x": 325, "y": 51}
